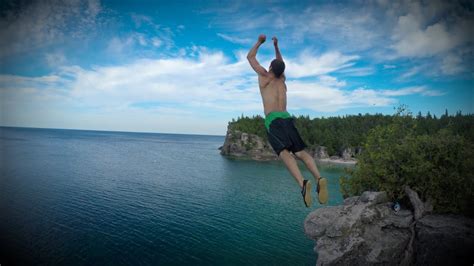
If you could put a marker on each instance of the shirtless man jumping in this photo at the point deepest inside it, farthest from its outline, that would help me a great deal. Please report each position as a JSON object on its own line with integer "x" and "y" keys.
{"x": 281, "y": 131}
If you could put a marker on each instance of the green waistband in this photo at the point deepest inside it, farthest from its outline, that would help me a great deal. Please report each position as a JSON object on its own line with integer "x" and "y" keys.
{"x": 274, "y": 115}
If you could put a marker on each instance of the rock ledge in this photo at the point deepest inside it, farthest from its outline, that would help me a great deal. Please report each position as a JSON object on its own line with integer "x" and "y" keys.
{"x": 365, "y": 230}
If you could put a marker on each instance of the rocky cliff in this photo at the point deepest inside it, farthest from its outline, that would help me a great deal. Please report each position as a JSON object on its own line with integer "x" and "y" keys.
{"x": 244, "y": 145}
{"x": 365, "y": 230}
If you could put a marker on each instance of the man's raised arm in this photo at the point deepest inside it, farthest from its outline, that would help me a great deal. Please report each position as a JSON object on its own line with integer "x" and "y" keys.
{"x": 252, "y": 56}
{"x": 277, "y": 50}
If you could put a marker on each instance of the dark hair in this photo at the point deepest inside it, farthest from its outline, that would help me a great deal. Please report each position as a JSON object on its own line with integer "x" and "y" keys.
{"x": 278, "y": 67}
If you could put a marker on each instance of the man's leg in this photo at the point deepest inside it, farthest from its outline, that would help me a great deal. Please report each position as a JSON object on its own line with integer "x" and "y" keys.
{"x": 309, "y": 162}
{"x": 322, "y": 188}
{"x": 292, "y": 166}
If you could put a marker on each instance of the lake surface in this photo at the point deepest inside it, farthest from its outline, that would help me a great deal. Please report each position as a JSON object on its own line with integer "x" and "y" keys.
{"x": 74, "y": 197}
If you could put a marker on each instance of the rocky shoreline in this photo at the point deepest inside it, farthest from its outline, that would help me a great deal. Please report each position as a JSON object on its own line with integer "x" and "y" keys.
{"x": 243, "y": 145}
{"x": 366, "y": 230}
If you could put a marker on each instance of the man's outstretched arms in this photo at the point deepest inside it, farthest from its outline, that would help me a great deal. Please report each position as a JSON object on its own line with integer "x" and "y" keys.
{"x": 252, "y": 56}
{"x": 277, "y": 50}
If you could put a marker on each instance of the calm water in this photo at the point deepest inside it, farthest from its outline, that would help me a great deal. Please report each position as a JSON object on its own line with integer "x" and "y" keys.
{"x": 89, "y": 197}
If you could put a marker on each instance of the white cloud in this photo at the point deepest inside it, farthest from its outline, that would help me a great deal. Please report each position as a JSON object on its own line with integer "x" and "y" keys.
{"x": 411, "y": 72}
{"x": 357, "y": 71}
{"x": 207, "y": 83}
{"x": 136, "y": 42}
{"x": 156, "y": 42}
{"x": 414, "y": 41}
{"x": 332, "y": 97}
{"x": 309, "y": 65}
{"x": 431, "y": 28}
{"x": 34, "y": 25}
{"x": 117, "y": 45}
{"x": 377, "y": 30}
{"x": 31, "y": 81}
{"x": 452, "y": 64}
{"x": 422, "y": 90}
{"x": 141, "y": 40}
{"x": 323, "y": 98}
{"x": 56, "y": 58}
{"x": 340, "y": 26}
{"x": 234, "y": 39}
{"x": 139, "y": 20}
{"x": 348, "y": 29}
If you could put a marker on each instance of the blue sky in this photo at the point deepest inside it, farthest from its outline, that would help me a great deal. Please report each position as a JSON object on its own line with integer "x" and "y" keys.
{"x": 180, "y": 66}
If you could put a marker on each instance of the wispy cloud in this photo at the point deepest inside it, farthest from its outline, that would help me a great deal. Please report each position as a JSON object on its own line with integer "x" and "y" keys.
{"x": 234, "y": 39}
{"x": 33, "y": 25}
{"x": 387, "y": 66}
{"x": 412, "y": 72}
{"x": 307, "y": 64}
{"x": 211, "y": 81}
{"x": 332, "y": 96}
{"x": 452, "y": 64}
{"x": 357, "y": 71}
{"x": 422, "y": 90}
{"x": 338, "y": 56}
{"x": 380, "y": 30}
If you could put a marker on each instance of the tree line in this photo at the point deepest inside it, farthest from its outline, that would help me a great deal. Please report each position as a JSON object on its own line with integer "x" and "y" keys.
{"x": 340, "y": 132}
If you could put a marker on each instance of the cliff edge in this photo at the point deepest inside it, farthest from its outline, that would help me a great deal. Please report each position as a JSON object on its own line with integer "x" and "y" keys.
{"x": 365, "y": 230}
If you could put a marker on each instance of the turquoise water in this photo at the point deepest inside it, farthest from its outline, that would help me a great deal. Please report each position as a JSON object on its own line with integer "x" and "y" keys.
{"x": 73, "y": 197}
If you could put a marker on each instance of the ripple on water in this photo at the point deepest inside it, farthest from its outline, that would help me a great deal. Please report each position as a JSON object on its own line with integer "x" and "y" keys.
{"x": 119, "y": 198}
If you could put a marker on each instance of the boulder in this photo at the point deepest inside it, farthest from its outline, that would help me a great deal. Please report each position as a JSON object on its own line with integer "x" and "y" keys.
{"x": 363, "y": 231}
{"x": 444, "y": 240}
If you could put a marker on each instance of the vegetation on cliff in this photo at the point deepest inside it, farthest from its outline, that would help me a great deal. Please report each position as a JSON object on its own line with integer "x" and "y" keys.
{"x": 433, "y": 156}
{"x": 338, "y": 133}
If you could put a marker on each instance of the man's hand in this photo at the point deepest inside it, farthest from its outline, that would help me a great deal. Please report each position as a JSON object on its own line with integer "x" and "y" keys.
{"x": 277, "y": 50}
{"x": 262, "y": 38}
{"x": 275, "y": 41}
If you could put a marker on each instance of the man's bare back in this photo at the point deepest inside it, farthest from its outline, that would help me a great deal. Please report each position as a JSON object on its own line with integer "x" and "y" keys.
{"x": 272, "y": 88}
{"x": 273, "y": 91}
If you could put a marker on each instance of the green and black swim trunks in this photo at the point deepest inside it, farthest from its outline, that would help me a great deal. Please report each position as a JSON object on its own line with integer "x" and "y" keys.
{"x": 282, "y": 133}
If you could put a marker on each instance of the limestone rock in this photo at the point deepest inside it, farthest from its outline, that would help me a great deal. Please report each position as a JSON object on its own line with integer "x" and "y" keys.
{"x": 417, "y": 204}
{"x": 249, "y": 146}
{"x": 363, "y": 231}
{"x": 444, "y": 240}
{"x": 321, "y": 152}
{"x": 347, "y": 153}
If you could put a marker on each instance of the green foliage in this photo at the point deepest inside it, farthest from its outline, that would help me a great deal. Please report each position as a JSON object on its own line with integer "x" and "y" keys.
{"x": 434, "y": 156}
{"x": 434, "y": 161}
{"x": 337, "y": 133}
{"x": 254, "y": 125}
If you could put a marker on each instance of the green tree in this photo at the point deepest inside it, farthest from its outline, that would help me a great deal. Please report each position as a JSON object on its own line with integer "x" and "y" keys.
{"x": 438, "y": 166}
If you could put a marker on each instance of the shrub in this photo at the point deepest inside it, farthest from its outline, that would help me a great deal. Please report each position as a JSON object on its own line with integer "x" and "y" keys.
{"x": 438, "y": 166}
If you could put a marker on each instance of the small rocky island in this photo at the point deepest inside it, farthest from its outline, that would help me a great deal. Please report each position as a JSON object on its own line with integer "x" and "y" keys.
{"x": 244, "y": 145}
{"x": 365, "y": 230}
